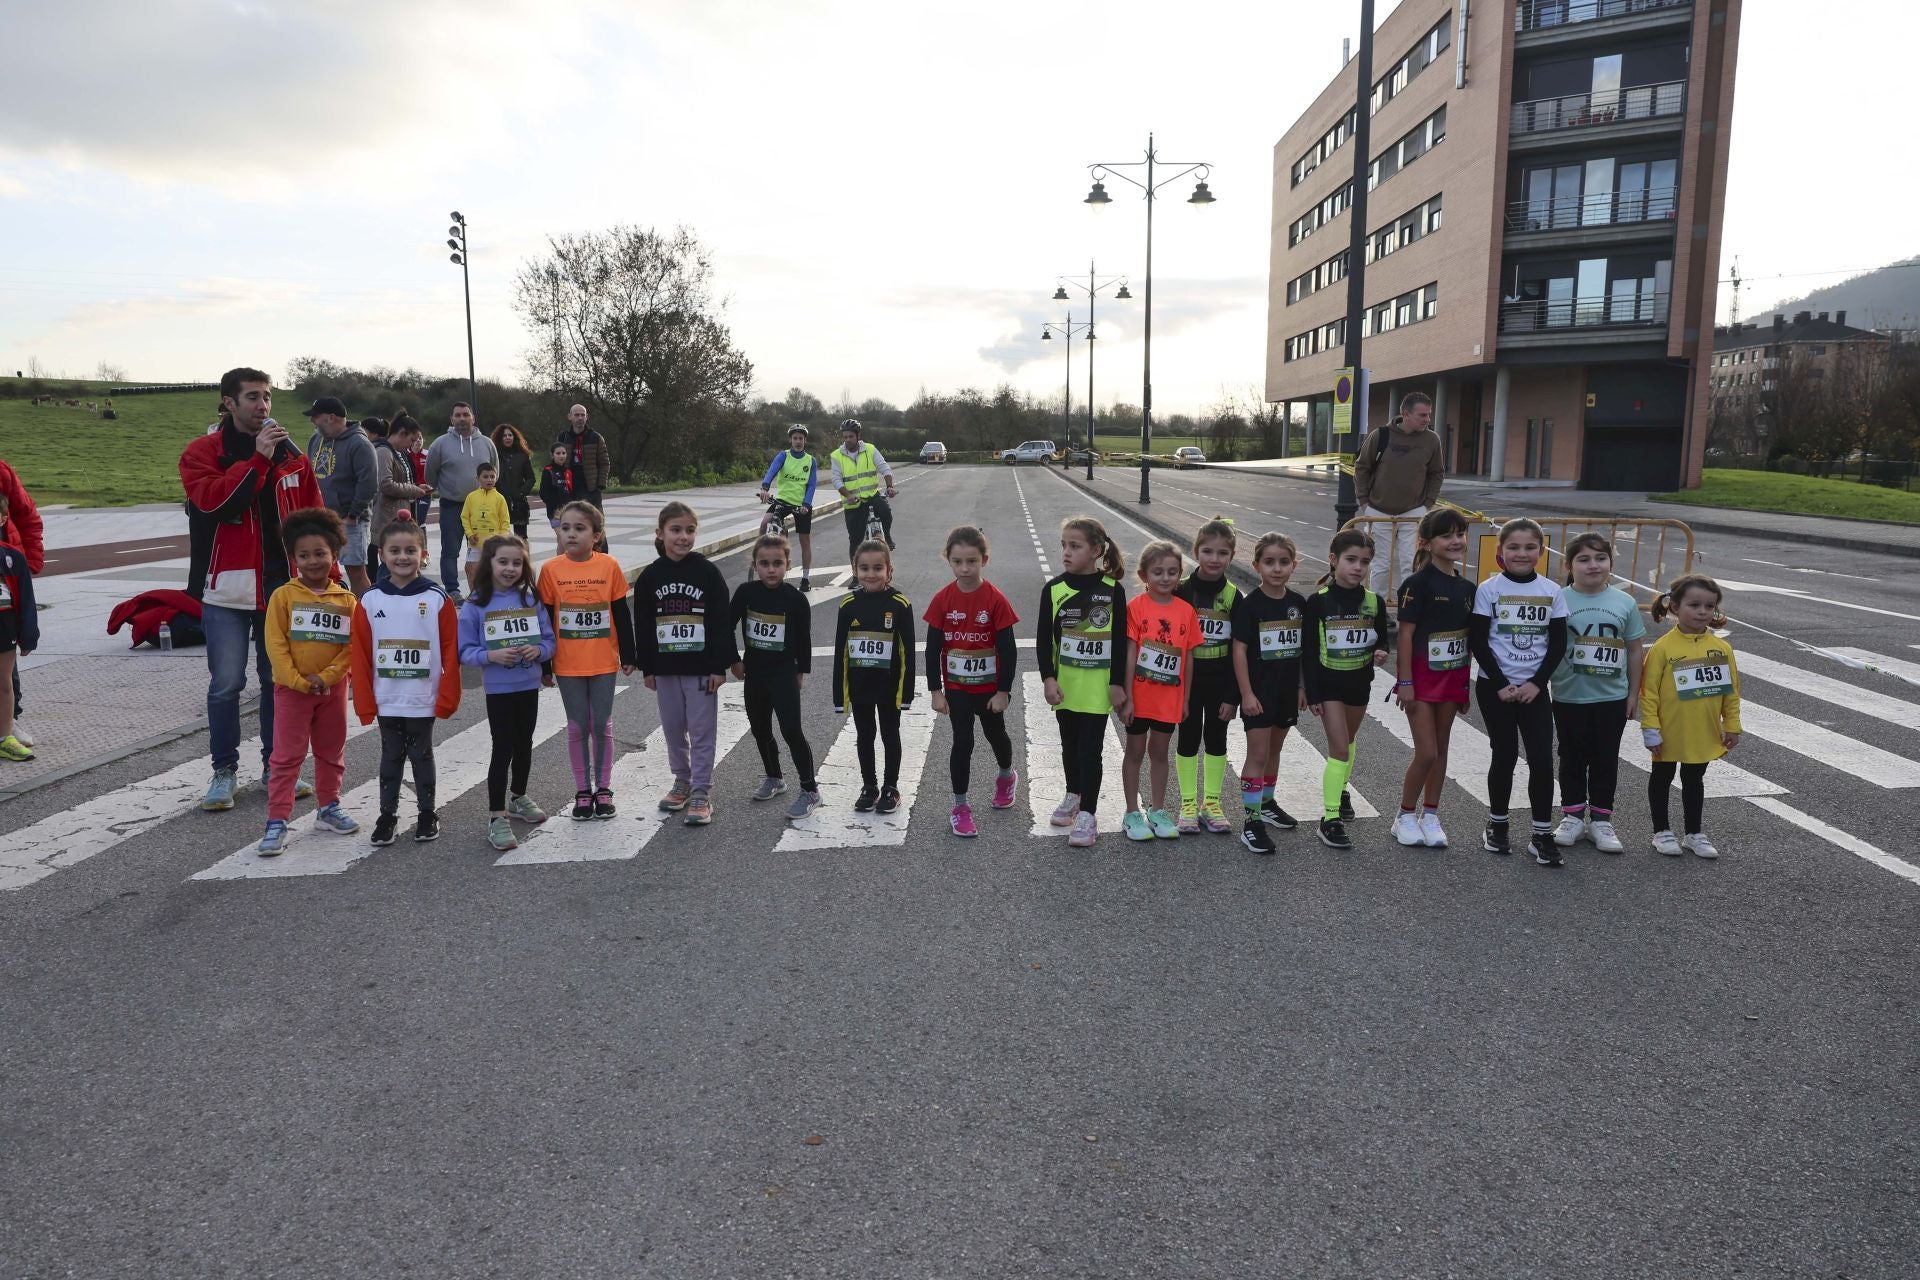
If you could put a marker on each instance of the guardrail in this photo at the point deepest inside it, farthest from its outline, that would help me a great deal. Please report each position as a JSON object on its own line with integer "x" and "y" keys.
{"x": 1612, "y": 106}
{"x": 1602, "y": 209}
{"x": 1594, "y": 311}
{"x": 1536, "y": 15}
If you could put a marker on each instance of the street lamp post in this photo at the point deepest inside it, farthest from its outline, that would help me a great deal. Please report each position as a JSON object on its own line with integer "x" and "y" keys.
{"x": 457, "y": 241}
{"x": 1346, "y": 501}
{"x": 1066, "y": 330}
{"x": 1098, "y": 196}
{"x": 1092, "y": 289}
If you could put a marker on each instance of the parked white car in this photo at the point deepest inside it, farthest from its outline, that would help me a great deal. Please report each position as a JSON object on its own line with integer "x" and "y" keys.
{"x": 1187, "y": 456}
{"x": 933, "y": 452}
{"x": 1040, "y": 451}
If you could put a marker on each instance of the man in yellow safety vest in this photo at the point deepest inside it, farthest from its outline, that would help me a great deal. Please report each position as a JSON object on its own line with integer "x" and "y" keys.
{"x": 858, "y": 473}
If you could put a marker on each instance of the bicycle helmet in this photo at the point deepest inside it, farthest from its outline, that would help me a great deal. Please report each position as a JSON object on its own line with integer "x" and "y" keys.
{"x": 851, "y": 424}
{"x": 801, "y": 428}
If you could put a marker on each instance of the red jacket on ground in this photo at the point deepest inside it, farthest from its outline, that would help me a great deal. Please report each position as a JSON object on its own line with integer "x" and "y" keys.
{"x": 22, "y": 529}
{"x": 225, "y": 477}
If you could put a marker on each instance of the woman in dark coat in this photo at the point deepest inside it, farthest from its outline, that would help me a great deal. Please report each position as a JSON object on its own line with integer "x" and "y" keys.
{"x": 518, "y": 475}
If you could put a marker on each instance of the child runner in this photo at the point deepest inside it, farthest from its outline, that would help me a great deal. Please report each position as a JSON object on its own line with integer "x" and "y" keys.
{"x": 970, "y": 664}
{"x": 1346, "y": 638}
{"x": 483, "y": 514}
{"x": 1162, "y": 633}
{"x": 873, "y": 670}
{"x": 1083, "y": 664}
{"x": 505, "y": 632}
{"x": 406, "y": 671}
{"x": 1266, "y": 663}
{"x": 19, "y": 636}
{"x": 309, "y": 621}
{"x": 1595, "y": 689}
{"x": 1213, "y": 690}
{"x": 1689, "y": 707}
{"x": 778, "y": 623}
{"x": 593, "y": 639}
{"x": 1519, "y": 632}
{"x": 559, "y": 485}
{"x": 1436, "y": 612}
{"x": 685, "y": 637}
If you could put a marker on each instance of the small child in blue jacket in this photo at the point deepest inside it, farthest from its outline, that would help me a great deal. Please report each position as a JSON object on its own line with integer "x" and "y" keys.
{"x": 505, "y": 632}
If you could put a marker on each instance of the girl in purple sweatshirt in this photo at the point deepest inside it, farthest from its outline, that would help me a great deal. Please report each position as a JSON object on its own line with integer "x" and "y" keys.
{"x": 505, "y": 632}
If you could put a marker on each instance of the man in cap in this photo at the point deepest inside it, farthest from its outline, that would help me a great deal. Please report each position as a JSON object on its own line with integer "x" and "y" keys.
{"x": 343, "y": 464}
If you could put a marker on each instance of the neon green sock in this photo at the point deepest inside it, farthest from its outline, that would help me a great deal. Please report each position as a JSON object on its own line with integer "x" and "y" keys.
{"x": 1185, "y": 767}
{"x": 1334, "y": 781}
{"x": 1216, "y": 776}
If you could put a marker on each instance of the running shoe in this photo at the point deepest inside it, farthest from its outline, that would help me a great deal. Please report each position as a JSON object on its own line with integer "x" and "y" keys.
{"x": 1665, "y": 842}
{"x": 20, "y": 732}
{"x": 335, "y": 819}
{"x": 961, "y": 820}
{"x": 806, "y": 585}
{"x": 1346, "y": 806}
{"x": 1254, "y": 836}
{"x": 1189, "y": 822}
{"x": 1003, "y": 789}
{"x": 770, "y": 786}
{"x": 1214, "y": 819}
{"x": 1699, "y": 846}
{"x": 274, "y": 842}
{"x": 219, "y": 792}
{"x": 426, "y": 827}
{"x": 383, "y": 829}
{"x": 525, "y": 810}
{"x": 868, "y": 797}
{"x": 1406, "y": 829}
{"x": 676, "y": 798}
{"x": 1605, "y": 839}
{"x": 1064, "y": 813}
{"x": 699, "y": 809}
{"x": 803, "y": 804}
{"x": 1431, "y": 833}
{"x": 1274, "y": 816}
{"x": 1496, "y": 839}
{"x": 1546, "y": 851}
{"x": 1086, "y": 829}
{"x": 582, "y": 806}
{"x": 11, "y": 748}
{"x": 1135, "y": 826}
{"x": 603, "y": 803}
{"x": 1333, "y": 834}
{"x": 1164, "y": 827}
{"x": 500, "y": 835}
{"x": 1571, "y": 828}
{"x": 889, "y": 800}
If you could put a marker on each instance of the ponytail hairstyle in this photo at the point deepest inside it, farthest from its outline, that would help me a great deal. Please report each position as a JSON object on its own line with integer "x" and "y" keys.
{"x": 1345, "y": 540}
{"x": 1588, "y": 541}
{"x": 1669, "y": 600}
{"x": 484, "y": 586}
{"x": 1153, "y": 553}
{"x": 1112, "y": 564}
{"x": 966, "y": 535}
{"x": 1275, "y": 539}
{"x": 1219, "y": 527}
{"x": 1437, "y": 523}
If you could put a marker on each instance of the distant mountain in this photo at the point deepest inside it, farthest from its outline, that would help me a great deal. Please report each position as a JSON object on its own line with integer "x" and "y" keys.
{"x": 1888, "y": 298}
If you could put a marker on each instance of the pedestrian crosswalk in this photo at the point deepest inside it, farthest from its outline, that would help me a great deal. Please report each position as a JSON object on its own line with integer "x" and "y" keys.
{"x": 1848, "y": 732}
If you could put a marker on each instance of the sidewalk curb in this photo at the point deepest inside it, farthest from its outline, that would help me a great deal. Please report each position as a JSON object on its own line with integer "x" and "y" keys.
{"x": 1844, "y": 543}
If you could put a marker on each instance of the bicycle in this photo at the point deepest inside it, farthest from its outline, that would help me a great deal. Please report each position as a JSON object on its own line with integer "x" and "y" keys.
{"x": 775, "y": 521}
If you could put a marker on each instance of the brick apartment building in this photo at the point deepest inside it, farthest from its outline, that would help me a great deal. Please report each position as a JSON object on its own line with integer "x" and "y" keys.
{"x": 1544, "y": 217}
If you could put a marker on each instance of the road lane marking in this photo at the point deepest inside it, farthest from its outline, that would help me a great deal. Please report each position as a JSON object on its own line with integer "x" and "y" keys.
{"x": 835, "y": 825}
{"x": 1046, "y": 776}
{"x": 1839, "y": 839}
{"x": 1834, "y": 750}
{"x": 1891, "y": 666}
{"x": 1840, "y": 694}
{"x": 1796, "y": 594}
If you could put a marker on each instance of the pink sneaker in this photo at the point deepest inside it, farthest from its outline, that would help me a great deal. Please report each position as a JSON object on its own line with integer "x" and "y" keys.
{"x": 1003, "y": 789}
{"x": 962, "y": 820}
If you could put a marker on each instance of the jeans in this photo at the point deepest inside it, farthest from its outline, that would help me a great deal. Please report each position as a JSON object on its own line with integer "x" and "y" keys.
{"x": 228, "y": 633}
{"x": 453, "y": 545}
{"x": 856, "y": 518}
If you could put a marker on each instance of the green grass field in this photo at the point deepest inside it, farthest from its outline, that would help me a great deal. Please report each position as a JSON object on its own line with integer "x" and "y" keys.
{"x": 1105, "y": 443}
{"x": 1798, "y": 495}
{"x": 66, "y": 454}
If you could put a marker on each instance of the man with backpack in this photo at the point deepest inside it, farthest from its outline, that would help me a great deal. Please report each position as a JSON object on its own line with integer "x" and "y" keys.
{"x": 1398, "y": 472}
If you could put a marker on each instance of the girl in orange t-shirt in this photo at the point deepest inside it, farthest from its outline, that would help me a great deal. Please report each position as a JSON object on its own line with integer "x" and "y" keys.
{"x": 588, "y": 595}
{"x": 1162, "y": 633}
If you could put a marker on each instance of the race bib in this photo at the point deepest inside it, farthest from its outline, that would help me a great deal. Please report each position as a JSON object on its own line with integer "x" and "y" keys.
{"x": 1158, "y": 665}
{"x": 766, "y": 631}
{"x": 1087, "y": 649}
{"x": 1215, "y": 630}
{"x": 1446, "y": 651}
{"x": 1521, "y": 615}
{"x": 1706, "y": 678}
{"x": 313, "y": 622}
{"x": 595, "y": 623}
{"x": 6, "y": 595}
{"x": 972, "y": 666}
{"x": 402, "y": 659}
{"x": 1279, "y": 640}
{"x": 869, "y": 650}
{"x": 1596, "y": 655}
{"x": 511, "y": 628}
{"x": 1349, "y": 638}
{"x": 680, "y": 633}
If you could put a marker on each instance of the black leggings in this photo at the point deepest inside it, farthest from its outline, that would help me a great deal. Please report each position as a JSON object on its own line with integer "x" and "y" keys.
{"x": 864, "y": 716}
{"x": 1203, "y": 722}
{"x": 510, "y": 719}
{"x": 962, "y": 707}
{"x": 1510, "y": 725}
{"x": 406, "y": 740}
{"x": 1693, "y": 793}
{"x": 777, "y": 693}
{"x": 1083, "y": 743}
{"x": 1589, "y": 752}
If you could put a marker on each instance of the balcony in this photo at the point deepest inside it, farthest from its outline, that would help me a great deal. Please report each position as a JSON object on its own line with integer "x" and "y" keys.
{"x": 1543, "y": 23}
{"x": 1599, "y": 318}
{"x": 1613, "y": 217}
{"x": 1593, "y": 117}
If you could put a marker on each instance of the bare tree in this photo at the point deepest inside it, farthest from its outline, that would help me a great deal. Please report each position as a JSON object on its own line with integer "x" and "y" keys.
{"x": 105, "y": 372}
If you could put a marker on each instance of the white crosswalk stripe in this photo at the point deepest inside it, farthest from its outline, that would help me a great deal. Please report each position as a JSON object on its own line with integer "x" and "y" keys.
{"x": 1849, "y": 697}
{"x": 1046, "y": 775}
{"x": 1824, "y": 746}
{"x": 1903, "y": 667}
{"x": 835, "y": 825}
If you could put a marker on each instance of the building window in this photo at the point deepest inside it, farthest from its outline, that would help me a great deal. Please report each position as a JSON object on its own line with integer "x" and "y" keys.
{"x": 1409, "y": 308}
{"x": 1416, "y": 142}
{"x": 1425, "y": 51}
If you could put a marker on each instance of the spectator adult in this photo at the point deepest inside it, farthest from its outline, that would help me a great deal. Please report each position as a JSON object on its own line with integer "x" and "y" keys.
{"x": 22, "y": 531}
{"x": 241, "y": 483}
{"x": 1398, "y": 472}
{"x": 858, "y": 473}
{"x": 397, "y": 490}
{"x": 792, "y": 477}
{"x": 588, "y": 455}
{"x": 452, "y": 462}
{"x": 343, "y": 466}
{"x": 517, "y": 474}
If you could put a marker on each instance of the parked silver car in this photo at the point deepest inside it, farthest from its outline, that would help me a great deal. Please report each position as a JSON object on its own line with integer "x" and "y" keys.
{"x": 1041, "y": 451}
{"x": 933, "y": 451}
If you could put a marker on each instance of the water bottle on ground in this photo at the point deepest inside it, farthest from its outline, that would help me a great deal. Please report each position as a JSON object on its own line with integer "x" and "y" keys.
{"x": 166, "y": 638}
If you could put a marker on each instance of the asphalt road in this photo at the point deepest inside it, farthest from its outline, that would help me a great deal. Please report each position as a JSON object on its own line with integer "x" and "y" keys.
{"x": 1018, "y": 1060}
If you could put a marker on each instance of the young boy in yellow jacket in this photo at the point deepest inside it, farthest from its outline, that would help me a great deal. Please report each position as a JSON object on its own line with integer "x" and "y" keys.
{"x": 483, "y": 514}
{"x": 309, "y": 626}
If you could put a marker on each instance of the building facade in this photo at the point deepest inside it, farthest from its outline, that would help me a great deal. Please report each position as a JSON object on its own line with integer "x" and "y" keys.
{"x": 1765, "y": 377}
{"x": 1544, "y": 209}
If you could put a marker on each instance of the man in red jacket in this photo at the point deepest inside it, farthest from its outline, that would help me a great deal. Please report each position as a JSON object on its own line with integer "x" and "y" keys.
{"x": 241, "y": 482}
{"x": 22, "y": 531}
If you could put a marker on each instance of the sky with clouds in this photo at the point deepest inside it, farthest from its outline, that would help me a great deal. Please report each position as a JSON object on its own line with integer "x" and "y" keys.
{"x": 890, "y": 190}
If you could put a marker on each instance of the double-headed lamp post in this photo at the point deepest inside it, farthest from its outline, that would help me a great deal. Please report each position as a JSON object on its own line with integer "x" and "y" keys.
{"x": 1092, "y": 288}
{"x": 457, "y": 241}
{"x": 1066, "y": 329}
{"x": 1097, "y": 197}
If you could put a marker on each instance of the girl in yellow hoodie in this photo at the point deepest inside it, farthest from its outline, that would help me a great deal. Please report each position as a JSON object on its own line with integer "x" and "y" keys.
{"x": 1689, "y": 707}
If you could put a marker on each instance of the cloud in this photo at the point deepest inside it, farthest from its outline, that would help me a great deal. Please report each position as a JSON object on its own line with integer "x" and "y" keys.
{"x": 1179, "y": 305}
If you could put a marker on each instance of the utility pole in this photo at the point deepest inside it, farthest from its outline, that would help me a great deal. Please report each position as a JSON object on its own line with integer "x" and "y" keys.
{"x": 1346, "y": 502}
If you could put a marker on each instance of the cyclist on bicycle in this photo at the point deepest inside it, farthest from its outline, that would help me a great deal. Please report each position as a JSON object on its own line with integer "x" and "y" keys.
{"x": 790, "y": 481}
{"x": 858, "y": 473}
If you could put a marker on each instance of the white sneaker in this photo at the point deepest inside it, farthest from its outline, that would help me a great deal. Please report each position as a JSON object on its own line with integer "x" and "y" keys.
{"x": 1571, "y": 828}
{"x": 1700, "y": 846}
{"x": 1604, "y": 837}
{"x": 20, "y": 731}
{"x": 1431, "y": 833}
{"x": 1664, "y": 842}
{"x": 1406, "y": 829}
{"x": 1085, "y": 831}
{"x": 1063, "y": 813}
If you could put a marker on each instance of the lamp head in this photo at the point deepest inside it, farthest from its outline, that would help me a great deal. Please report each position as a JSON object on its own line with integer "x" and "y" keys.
{"x": 1060, "y": 294}
{"x": 452, "y": 243}
{"x": 1046, "y": 335}
{"x": 455, "y": 230}
{"x": 1098, "y": 196}
{"x": 454, "y": 258}
{"x": 455, "y": 215}
{"x": 1123, "y": 295}
{"x": 1200, "y": 194}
